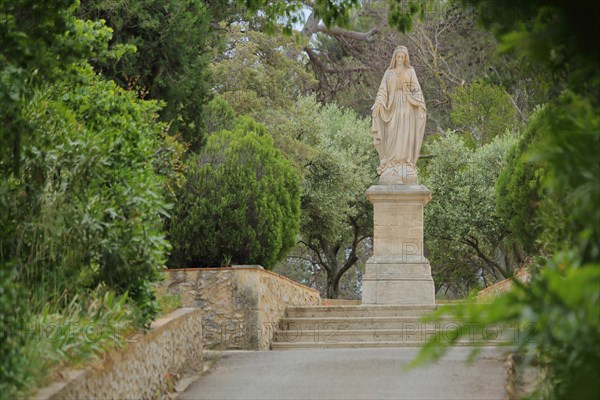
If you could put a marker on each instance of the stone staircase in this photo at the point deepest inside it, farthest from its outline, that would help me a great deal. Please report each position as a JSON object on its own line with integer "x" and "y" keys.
{"x": 355, "y": 326}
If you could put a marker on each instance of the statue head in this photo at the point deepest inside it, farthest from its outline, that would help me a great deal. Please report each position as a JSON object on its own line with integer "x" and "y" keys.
{"x": 399, "y": 50}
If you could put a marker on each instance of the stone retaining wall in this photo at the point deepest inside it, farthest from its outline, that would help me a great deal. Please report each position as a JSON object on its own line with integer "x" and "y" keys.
{"x": 144, "y": 369}
{"x": 504, "y": 285}
{"x": 241, "y": 305}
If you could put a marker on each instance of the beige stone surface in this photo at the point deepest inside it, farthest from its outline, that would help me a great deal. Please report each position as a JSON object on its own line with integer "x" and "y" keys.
{"x": 242, "y": 305}
{"x": 173, "y": 346}
{"x": 399, "y": 289}
{"x": 398, "y": 272}
{"x": 399, "y": 116}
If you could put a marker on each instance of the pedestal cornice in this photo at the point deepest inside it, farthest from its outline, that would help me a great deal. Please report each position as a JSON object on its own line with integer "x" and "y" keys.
{"x": 403, "y": 193}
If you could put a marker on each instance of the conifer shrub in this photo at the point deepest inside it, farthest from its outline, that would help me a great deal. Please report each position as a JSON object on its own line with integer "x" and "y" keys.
{"x": 240, "y": 203}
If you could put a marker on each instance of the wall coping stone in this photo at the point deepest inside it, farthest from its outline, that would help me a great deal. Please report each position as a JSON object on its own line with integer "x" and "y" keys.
{"x": 505, "y": 285}
{"x": 247, "y": 266}
{"x": 258, "y": 268}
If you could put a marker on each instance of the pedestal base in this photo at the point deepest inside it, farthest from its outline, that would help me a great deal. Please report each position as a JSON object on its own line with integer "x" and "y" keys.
{"x": 398, "y": 273}
{"x": 395, "y": 280}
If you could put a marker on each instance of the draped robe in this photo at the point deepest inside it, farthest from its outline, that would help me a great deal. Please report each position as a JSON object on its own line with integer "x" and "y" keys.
{"x": 399, "y": 122}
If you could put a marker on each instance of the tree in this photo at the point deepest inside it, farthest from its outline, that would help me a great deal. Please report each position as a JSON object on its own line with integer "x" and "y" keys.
{"x": 483, "y": 111}
{"x": 240, "y": 203}
{"x": 274, "y": 13}
{"x": 172, "y": 42}
{"x": 466, "y": 240}
{"x": 327, "y": 145}
{"x": 521, "y": 200}
{"x": 260, "y": 75}
{"x": 340, "y": 166}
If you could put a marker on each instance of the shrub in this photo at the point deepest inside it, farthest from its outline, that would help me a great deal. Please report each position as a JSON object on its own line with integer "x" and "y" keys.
{"x": 543, "y": 217}
{"x": 560, "y": 305}
{"x": 12, "y": 320}
{"x": 240, "y": 204}
{"x": 87, "y": 208}
{"x": 464, "y": 236}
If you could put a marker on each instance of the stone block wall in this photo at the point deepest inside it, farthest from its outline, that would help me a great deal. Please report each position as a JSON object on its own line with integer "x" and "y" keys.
{"x": 142, "y": 370}
{"x": 241, "y": 305}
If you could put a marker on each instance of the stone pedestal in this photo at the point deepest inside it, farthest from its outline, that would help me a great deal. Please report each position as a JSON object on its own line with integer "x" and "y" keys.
{"x": 398, "y": 272}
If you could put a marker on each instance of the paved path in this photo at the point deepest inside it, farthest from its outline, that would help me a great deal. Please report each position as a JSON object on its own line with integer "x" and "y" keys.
{"x": 350, "y": 374}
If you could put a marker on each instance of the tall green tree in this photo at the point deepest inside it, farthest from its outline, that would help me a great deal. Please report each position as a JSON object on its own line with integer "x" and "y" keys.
{"x": 483, "y": 111}
{"x": 264, "y": 77}
{"x": 87, "y": 207}
{"x": 260, "y": 75}
{"x": 172, "y": 41}
{"x": 537, "y": 219}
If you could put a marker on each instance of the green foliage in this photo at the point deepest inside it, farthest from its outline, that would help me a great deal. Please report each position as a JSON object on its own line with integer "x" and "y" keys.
{"x": 570, "y": 148}
{"x": 173, "y": 39}
{"x": 81, "y": 332}
{"x": 338, "y": 163}
{"x": 558, "y": 152}
{"x": 86, "y": 328}
{"x": 338, "y": 172}
{"x": 557, "y": 316}
{"x": 240, "y": 203}
{"x": 543, "y": 196}
{"x": 168, "y": 163}
{"x": 260, "y": 75}
{"x": 483, "y": 110}
{"x": 402, "y": 13}
{"x": 13, "y": 317}
{"x": 40, "y": 41}
{"x": 463, "y": 231}
{"x": 562, "y": 300}
{"x": 83, "y": 207}
{"x": 81, "y": 202}
{"x": 33, "y": 346}
{"x": 219, "y": 115}
{"x": 521, "y": 200}
{"x": 167, "y": 302}
{"x": 552, "y": 34}
{"x": 87, "y": 209}
{"x": 287, "y": 13}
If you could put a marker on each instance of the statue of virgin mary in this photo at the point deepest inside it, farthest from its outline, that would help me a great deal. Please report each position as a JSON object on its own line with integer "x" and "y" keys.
{"x": 399, "y": 115}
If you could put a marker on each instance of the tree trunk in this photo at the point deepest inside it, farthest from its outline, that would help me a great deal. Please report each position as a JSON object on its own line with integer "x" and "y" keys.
{"x": 332, "y": 287}
{"x": 333, "y": 280}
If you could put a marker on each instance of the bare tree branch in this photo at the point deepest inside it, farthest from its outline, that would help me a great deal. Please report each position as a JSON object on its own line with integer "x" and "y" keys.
{"x": 474, "y": 243}
{"x": 318, "y": 254}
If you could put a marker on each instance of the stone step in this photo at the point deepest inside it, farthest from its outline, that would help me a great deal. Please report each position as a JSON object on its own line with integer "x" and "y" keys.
{"x": 352, "y": 345}
{"x": 350, "y": 326}
{"x": 357, "y": 311}
{"x": 330, "y": 323}
{"x": 414, "y": 334}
